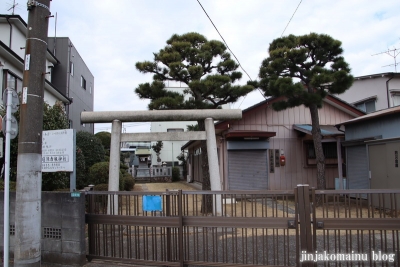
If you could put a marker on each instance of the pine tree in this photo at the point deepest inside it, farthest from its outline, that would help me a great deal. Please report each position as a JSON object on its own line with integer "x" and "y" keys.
{"x": 204, "y": 67}
{"x": 303, "y": 70}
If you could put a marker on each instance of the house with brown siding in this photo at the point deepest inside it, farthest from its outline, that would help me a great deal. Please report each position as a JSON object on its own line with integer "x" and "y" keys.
{"x": 273, "y": 150}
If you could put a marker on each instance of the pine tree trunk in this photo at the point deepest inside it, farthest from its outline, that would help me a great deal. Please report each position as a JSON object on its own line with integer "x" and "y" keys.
{"x": 319, "y": 153}
{"x": 207, "y": 204}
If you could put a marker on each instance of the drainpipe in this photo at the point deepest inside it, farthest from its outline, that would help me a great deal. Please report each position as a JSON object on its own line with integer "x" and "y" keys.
{"x": 8, "y": 20}
{"x": 69, "y": 75}
{"x": 387, "y": 90}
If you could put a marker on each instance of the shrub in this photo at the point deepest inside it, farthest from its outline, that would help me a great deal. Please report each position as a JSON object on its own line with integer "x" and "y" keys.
{"x": 124, "y": 167}
{"x": 13, "y": 185}
{"x": 54, "y": 117}
{"x": 105, "y": 138}
{"x": 129, "y": 182}
{"x": 81, "y": 176}
{"x": 121, "y": 181}
{"x": 91, "y": 147}
{"x": 98, "y": 173}
{"x": 101, "y": 187}
{"x": 62, "y": 190}
{"x": 175, "y": 174}
{"x": 54, "y": 180}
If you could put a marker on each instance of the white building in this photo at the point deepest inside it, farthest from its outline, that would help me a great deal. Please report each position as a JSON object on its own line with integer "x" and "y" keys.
{"x": 374, "y": 92}
{"x": 67, "y": 77}
{"x": 12, "y": 42}
{"x": 171, "y": 149}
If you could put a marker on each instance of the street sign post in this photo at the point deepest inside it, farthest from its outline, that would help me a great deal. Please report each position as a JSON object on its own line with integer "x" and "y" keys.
{"x": 58, "y": 153}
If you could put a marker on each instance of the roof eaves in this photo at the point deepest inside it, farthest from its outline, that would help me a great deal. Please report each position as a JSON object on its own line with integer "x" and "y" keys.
{"x": 52, "y": 57}
{"x": 378, "y": 75}
{"x": 18, "y": 17}
{"x": 343, "y": 105}
{"x": 188, "y": 144}
{"x": 57, "y": 93}
{"x": 9, "y": 50}
{"x": 266, "y": 101}
{"x": 373, "y": 115}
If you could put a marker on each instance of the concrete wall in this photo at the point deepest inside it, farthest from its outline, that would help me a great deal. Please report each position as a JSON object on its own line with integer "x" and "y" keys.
{"x": 63, "y": 228}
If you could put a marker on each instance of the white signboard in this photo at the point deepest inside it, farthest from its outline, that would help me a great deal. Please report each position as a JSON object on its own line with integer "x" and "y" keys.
{"x": 58, "y": 152}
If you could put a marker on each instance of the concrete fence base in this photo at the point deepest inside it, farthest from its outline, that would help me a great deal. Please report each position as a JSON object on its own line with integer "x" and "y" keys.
{"x": 63, "y": 228}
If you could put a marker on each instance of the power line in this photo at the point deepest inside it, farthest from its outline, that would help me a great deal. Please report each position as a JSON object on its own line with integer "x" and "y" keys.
{"x": 291, "y": 17}
{"x": 223, "y": 39}
{"x": 228, "y": 49}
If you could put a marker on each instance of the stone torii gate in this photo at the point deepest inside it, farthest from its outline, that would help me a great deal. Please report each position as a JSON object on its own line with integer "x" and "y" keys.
{"x": 118, "y": 117}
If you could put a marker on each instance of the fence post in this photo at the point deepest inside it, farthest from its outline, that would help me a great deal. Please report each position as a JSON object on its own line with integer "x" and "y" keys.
{"x": 91, "y": 230}
{"x": 304, "y": 212}
{"x": 180, "y": 229}
{"x": 168, "y": 213}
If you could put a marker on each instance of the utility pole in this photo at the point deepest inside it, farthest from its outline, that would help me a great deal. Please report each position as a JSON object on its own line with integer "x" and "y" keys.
{"x": 27, "y": 250}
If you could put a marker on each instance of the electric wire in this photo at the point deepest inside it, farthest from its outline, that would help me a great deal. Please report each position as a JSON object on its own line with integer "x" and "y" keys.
{"x": 223, "y": 39}
{"x": 291, "y": 17}
{"x": 227, "y": 46}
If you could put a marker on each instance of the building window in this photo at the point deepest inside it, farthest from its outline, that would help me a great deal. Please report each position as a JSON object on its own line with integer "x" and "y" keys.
{"x": 50, "y": 74}
{"x": 71, "y": 68}
{"x": 175, "y": 130}
{"x": 12, "y": 81}
{"x": 396, "y": 99}
{"x": 367, "y": 106}
{"x": 83, "y": 83}
{"x": 329, "y": 149}
{"x": 90, "y": 89}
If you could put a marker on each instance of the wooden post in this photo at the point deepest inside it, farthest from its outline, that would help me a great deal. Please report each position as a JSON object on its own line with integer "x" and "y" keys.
{"x": 304, "y": 213}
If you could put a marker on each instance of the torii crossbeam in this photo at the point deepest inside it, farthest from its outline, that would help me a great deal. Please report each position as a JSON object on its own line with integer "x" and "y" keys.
{"x": 117, "y": 117}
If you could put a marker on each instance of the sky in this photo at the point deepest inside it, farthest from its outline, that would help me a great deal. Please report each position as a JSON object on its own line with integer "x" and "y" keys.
{"x": 111, "y": 36}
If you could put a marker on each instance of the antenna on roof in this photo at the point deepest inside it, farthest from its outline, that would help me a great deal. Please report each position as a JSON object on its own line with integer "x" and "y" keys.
{"x": 14, "y": 5}
{"x": 393, "y": 53}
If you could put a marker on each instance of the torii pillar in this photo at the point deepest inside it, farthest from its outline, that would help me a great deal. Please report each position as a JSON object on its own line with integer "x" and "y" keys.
{"x": 117, "y": 117}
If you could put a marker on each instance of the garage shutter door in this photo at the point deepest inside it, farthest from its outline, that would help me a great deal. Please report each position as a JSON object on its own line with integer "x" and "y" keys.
{"x": 247, "y": 170}
{"x": 357, "y": 168}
